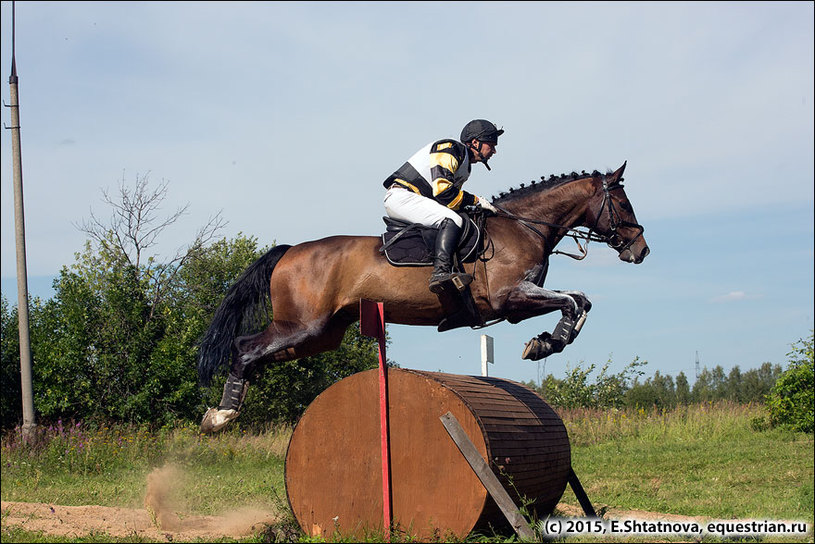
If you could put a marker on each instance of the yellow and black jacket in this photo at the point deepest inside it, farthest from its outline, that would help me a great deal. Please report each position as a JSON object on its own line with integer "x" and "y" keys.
{"x": 437, "y": 171}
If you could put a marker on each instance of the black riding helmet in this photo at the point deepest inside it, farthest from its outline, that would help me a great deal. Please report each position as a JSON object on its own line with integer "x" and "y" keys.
{"x": 482, "y": 130}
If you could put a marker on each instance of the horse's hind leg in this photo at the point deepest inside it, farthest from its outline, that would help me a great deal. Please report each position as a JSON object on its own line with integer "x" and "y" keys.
{"x": 282, "y": 341}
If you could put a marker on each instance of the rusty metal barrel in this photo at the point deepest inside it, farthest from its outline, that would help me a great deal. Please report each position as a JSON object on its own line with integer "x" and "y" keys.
{"x": 333, "y": 463}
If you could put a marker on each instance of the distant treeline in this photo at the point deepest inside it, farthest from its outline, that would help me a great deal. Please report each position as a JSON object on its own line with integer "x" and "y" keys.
{"x": 627, "y": 389}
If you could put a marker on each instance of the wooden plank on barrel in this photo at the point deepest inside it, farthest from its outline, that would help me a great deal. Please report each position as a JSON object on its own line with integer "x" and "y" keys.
{"x": 487, "y": 477}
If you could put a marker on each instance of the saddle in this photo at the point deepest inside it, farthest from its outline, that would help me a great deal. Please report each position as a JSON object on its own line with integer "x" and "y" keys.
{"x": 412, "y": 244}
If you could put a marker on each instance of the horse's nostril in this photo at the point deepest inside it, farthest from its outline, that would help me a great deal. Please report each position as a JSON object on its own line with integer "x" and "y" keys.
{"x": 644, "y": 253}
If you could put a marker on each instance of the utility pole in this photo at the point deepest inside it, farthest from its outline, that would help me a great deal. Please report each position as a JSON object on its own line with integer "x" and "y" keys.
{"x": 19, "y": 227}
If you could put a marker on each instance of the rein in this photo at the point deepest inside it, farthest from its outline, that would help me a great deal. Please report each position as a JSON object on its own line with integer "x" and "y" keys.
{"x": 591, "y": 235}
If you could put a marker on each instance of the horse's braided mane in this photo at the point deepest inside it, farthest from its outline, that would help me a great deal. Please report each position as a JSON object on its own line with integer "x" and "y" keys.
{"x": 545, "y": 183}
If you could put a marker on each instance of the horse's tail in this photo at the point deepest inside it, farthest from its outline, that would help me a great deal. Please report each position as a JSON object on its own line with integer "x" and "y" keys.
{"x": 243, "y": 307}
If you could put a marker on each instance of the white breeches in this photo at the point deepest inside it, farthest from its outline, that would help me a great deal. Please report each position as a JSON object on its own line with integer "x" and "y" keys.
{"x": 406, "y": 205}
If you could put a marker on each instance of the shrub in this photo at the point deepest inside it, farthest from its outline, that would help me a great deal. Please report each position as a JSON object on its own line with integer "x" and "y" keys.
{"x": 576, "y": 389}
{"x": 790, "y": 403}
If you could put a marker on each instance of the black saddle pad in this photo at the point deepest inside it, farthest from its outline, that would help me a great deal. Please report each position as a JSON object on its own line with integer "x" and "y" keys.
{"x": 411, "y": 244}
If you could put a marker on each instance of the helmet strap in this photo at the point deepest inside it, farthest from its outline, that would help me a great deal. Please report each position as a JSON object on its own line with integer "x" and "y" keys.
{"x": 483, "y": 159}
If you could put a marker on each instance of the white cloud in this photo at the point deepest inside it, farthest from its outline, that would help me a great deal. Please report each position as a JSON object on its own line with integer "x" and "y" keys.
{"x": 735, "y": 296}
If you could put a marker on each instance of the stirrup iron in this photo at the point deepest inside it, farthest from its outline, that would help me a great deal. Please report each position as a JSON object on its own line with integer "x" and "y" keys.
{"x": 458, "y": 280}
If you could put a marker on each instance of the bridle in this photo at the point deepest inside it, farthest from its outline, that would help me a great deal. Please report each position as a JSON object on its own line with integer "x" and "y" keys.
{"x": 613, "y": 240}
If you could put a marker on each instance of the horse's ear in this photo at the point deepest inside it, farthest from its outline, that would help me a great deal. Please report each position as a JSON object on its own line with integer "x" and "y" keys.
{"x": 618, "y": 175}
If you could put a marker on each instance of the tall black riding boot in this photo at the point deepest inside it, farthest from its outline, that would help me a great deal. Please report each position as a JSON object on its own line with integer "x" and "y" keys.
{"x": 446, "y": 242}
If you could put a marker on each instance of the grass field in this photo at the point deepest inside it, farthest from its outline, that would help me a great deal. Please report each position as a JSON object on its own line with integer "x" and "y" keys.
{"x": 701, "y": 460}
{"x": 706, "y": 461}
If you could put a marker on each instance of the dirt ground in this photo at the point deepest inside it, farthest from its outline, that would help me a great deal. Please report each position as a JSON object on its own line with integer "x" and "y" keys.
{"x": 616, "y": 513}
{"x": 162, "y": 518}
{"x": 75, "y": 521}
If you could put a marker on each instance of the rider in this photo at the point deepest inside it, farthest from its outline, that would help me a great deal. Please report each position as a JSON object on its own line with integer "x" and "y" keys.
{"x": 427, "y": 190}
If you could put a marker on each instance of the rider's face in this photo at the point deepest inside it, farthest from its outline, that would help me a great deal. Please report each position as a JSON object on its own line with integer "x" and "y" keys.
{"x": 484, "y": 150}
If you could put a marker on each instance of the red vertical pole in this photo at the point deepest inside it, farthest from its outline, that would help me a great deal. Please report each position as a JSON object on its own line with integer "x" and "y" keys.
{"x": 372, "y": 323}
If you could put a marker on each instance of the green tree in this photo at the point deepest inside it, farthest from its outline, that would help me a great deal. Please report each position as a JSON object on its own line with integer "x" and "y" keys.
{"x": 107, "y": 348}
{"x": 118, "y": 340}
{"x": 656, "y": 392}
{"x": 94, "y": 341}
{"x": 641, "y": 395}
{"x": 666, "y": 392}
{"x": 135, "y": 226}
{"x": 683, "y": 395}
{"x": 611, "y": 388}
{"x": 757, "y": 383}
{"x": 575, "y": 390}
{"x": 97, "y": 344}
{"x": 548, "y": 388}
{"x": 718, "y": 383}
{"x": 732, "y": 387}
{"x": 791, "y": 400}
{"x": 11, "y": 409}
{"x": 711, "y": 385}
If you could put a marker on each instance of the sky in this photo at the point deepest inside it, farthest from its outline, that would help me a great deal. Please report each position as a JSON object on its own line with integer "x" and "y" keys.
{"x": 286, "y": 117}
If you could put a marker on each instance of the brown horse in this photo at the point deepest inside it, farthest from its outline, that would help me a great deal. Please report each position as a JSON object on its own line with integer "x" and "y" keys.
{"x": 315, "y": 287}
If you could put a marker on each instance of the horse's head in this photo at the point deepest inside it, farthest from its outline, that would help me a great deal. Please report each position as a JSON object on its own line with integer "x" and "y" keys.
{"x": 561, "y": 203}
{"x": 611, "y": 215}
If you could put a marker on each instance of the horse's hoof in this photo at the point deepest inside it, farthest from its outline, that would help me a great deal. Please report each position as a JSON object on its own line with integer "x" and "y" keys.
{"x": 215, "y": 420}
{"x": 542, "y": 346}
{"x": 537, "y": 349}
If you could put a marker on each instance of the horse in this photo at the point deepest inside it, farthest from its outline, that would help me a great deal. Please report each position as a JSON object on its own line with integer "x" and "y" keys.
{"x": 314, "y": 288}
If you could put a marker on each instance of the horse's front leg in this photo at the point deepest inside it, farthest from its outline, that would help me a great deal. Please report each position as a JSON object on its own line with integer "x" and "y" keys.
{"x": 529, "y": 300}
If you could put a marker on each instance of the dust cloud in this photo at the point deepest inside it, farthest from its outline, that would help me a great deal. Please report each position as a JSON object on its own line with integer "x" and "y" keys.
{"x": 160, "y": 500}
{"x": 166, "y": 510}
